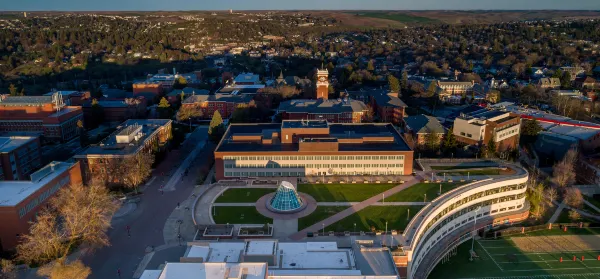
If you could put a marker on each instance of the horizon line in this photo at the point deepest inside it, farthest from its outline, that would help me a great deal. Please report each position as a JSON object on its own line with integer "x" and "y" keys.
{"x": 310, "y": 10}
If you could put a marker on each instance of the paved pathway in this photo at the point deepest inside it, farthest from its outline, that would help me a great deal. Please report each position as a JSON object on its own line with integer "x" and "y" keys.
{"x": 559, "y": 209}
{"x": 329, "y": 203}
{"x": 178, "y": 176}
{"x": 592, "y": 205}
{"x": 353, "y": 209}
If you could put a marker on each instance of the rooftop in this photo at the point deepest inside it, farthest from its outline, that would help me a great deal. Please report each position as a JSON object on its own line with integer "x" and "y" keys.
{"x": 114, "y": 145}
{"x": 188, "y": 91}
{"x": 25, "y": 100}
{"x": 424, "y": 124}
{"x": 241, "y": 89}
{"x": 214, "y": 271}
{"x": 229, "y": 98}
{"x": 64, "y": 93}
{"x": 14, "y": 192}
{"x": 322, "y": 106}
{"x": 8, "y": 144}
{"x": 247, "y": 77}
{"x": 374, "y": 131}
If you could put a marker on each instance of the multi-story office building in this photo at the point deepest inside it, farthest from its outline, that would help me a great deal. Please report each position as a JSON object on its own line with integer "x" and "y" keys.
{"x": 479, "y": 127}
{"x": 44, "y": 115}
{"x": 131, "y": 137}
{"x": 311, "y": 148}
{"x": 333, "y": 111}
{"x": 19, "y": 157}
{"x": 21, "y": 200}
{"x": 451, "y": 219}
{"x": 386, "y": 105}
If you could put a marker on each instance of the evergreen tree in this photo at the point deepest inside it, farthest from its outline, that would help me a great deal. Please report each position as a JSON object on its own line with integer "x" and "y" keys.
{"x": 370, "y": 66}
{"x": 97, "y": 113}
{"x": 491, "y": 147}
{"x": 164, "y": 109}
{"x": 530, "y": 130}
{"x": 431, "y": 141}
{"x": 216, "y": 129}
{"x": 449, "y": 143}
{"x": 404, "y": 81}
{"x": 12, "y": 89}
{"x": 394, "y": 84}
{"x": 83, "y": 136}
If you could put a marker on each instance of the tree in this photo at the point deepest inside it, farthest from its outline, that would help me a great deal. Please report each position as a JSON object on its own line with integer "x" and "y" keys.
{"x": 404, "y": 80}
{"x": 83, "y": 136}
{"x": 7, "y": 269}
{"x": 563, "y": 172}
{"x": 180, "y": 83}
{"x": 551, "y": 195}
{"x": 490, "y": 148}
{"x": 12, "y": 89}
{"x": 370, "y": 114}
{"x": 535, "y": 195}
{"x": 432, "y": 141}
{"x": 394, "y": 84}
{"x": 531, "y": 129}
{"x": 432, "y": 89}
{"x": 370, "y": 66}
{"x": 565, "y": 80}
{"x": 493, "y": 96}
{"x": 573, "y": 198}
{"x": 136, "y": 169}
{"x": 97, "y": 113}
{"x": 76, "y": 215}
{"x": 449, "y": 143}
{"x": 61, "y": 269}
{"x": 187, "y": 113}
{"x": 164, "y": 109}
{"x": 574, "y": 216}
{"x": 216, "y": 128}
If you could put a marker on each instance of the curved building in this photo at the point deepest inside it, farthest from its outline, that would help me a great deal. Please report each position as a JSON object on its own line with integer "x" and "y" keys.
{"x": 451, "y": 219}
{"x": 286, "y": 198}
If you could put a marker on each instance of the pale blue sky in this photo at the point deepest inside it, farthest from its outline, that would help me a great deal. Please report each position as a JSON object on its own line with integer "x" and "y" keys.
{"x": 150, "y": 5}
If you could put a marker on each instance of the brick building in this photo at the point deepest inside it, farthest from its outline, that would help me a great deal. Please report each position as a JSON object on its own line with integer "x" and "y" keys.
{"x": 311, "y": 148}
{"x": 19, "y": 157}
{"x": 174, "y": 97}
{"x": 418, "y": 126}
{"x": 21, "y": 200}
{"x": 224, "y": 103}
{"x": 479, "y": 127}
{"x": 117, "y": 110}
{"x": 155, "y": 88}
{"x": 39, "y": 114}
{"x": 333, "y": 111}
{"x": 386, "y": 105}
{"x": 131, "y": 137}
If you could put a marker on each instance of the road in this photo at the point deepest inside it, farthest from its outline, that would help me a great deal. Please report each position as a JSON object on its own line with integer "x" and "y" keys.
{"x": 147, "y": 221}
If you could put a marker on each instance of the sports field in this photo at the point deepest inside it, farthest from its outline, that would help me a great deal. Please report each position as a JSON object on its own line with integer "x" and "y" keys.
{"x": 536, "y": 255}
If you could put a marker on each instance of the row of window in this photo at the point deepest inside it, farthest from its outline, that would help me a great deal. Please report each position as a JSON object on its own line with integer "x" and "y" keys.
{"x": 311, "y": 158}
{"x": 312, "y": 166}
{"x": 264, "y": 174}
{"x": 42, "y": 197}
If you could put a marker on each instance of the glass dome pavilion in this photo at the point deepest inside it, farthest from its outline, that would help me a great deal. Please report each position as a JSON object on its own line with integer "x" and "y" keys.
{"x": 286, "y": 198}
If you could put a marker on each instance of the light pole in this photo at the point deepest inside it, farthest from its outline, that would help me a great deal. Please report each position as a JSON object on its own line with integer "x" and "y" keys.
{"x": 384, "y": 198}
{"x": 473, "y": 232}
{"x": 407, "y": 214}
{"x": 444, "y": 177}
{"x": 425, "y": 197}
{"x": 440, "y": 192}
{"x": 323, "y": 228}
{"x": 354, "y": 227}
{"x": 385, "y": 232}
{"x": 468, "y": 175}
{"x": 431, "y": 176}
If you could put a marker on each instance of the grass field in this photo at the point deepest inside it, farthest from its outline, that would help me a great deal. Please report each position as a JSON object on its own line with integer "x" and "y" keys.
{"x": 416, "y": 192}
{"x": 376, "y": 216}
{"x": 243, "y": 194}
{"x": 321, "y": 213}
{"x": 457, "y": 167}
{"x": 491, "y": 171}
{"x": 404, "y": 18}
{"x": 239, "y": 215}
{"x": 343, "y": 192}
{"x": 535, "y": 255}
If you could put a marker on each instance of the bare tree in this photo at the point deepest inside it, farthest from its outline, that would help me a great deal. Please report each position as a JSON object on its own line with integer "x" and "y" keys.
{"x": 7, "y": 269}
{"x": 563, "y": 172}
{"x": 551, "y": 195}
{"x": 76, "y": 215}
{"x": 137, "y": 168}
{"x": 573, "y": 198}
{"x": 61, "y": 269}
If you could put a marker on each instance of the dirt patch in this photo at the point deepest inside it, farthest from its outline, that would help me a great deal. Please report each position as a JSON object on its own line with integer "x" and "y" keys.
{"x": 557, "y": 243}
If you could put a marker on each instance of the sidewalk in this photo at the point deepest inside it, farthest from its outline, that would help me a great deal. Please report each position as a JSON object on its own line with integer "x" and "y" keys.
{"x": 559, "y": 209}
{"x": 353, "y": 209}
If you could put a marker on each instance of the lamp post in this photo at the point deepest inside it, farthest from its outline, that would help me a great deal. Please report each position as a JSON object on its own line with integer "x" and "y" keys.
{"x": 323, "y": 228}
{"x": 444, "y": 177}
{"x": 384, "y": 198}
{"x": 473, "y": 232}
{"x": 385, "y": 232}
{"x": 468, "y": 175}
{"x": 440, "y": 192}
{"x": 407, "y": 214}
{"x": 425, "y": 197}
{"x": 354, "y": 227}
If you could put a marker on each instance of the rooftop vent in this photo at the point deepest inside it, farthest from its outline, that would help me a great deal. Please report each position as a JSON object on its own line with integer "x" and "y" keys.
{"x": 129, "y": 134}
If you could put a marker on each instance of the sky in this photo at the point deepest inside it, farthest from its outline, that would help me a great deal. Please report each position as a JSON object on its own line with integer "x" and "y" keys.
{"x": 152, "y": 5}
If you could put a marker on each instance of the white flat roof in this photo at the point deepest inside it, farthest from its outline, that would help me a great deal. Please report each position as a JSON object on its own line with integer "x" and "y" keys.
{"x": 14, "y": 192}
{"x": 318, "y": 246}
{"x": 333, "y": 277}
{"x": 312, "y": 272}
{"x": 8, "y": 144}
{"x": 198, "y": 252}
{"x": 266, "y": 247}
{"x": 151, "y": 274}
{"x": 298, "y": 256}
{"x": 226, "y": 251}
{"x": 213, "y": 270}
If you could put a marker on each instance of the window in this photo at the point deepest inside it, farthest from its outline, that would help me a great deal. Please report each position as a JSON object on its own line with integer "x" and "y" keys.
{"x": 462, "y": 133}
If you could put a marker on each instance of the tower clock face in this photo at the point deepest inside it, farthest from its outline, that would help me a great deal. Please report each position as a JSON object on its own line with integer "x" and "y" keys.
{"x": 322, "y": 78}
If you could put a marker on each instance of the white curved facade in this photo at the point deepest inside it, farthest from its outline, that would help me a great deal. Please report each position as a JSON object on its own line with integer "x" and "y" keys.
{"x": 457, "y": 208}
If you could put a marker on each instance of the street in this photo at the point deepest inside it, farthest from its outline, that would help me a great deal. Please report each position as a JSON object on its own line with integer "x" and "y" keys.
{"x": 147, "y": 221}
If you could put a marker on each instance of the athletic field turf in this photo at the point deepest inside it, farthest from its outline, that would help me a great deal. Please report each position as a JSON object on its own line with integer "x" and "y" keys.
{"x": 534, "y": 256}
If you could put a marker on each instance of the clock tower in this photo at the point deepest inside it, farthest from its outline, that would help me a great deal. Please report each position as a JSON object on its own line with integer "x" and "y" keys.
{"x": 323, "y": 84}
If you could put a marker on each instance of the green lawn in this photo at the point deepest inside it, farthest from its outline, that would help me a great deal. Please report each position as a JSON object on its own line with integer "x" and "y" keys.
{"x": 501, "y": 259}
{"x": 376, "y": 216}
{"x": 321, "y": 213}
{"x": 416, "y": 192}
{"x": 243, "y": 194}
{"x": 458, "y": 167}
{"x": 343, "y": 192}
{"x": 405, "y": 18}
{"x": 592, "y": 201}
{"x": 564, "y": 218}
{"x": 491, "y": 171}
{"x": 239, "y": 215}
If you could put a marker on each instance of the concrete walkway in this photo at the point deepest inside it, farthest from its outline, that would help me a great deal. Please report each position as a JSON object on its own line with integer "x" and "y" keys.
{"x": 353, "y": 209}
{"x": 178, "y": 176}
{"x": 559, "y": 209}
{"x": 591, "y": 205}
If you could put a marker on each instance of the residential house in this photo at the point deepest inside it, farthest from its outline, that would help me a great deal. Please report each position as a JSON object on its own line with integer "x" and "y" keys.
{"x": 586, "y": 83}
{"x": 549, "y": 83}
